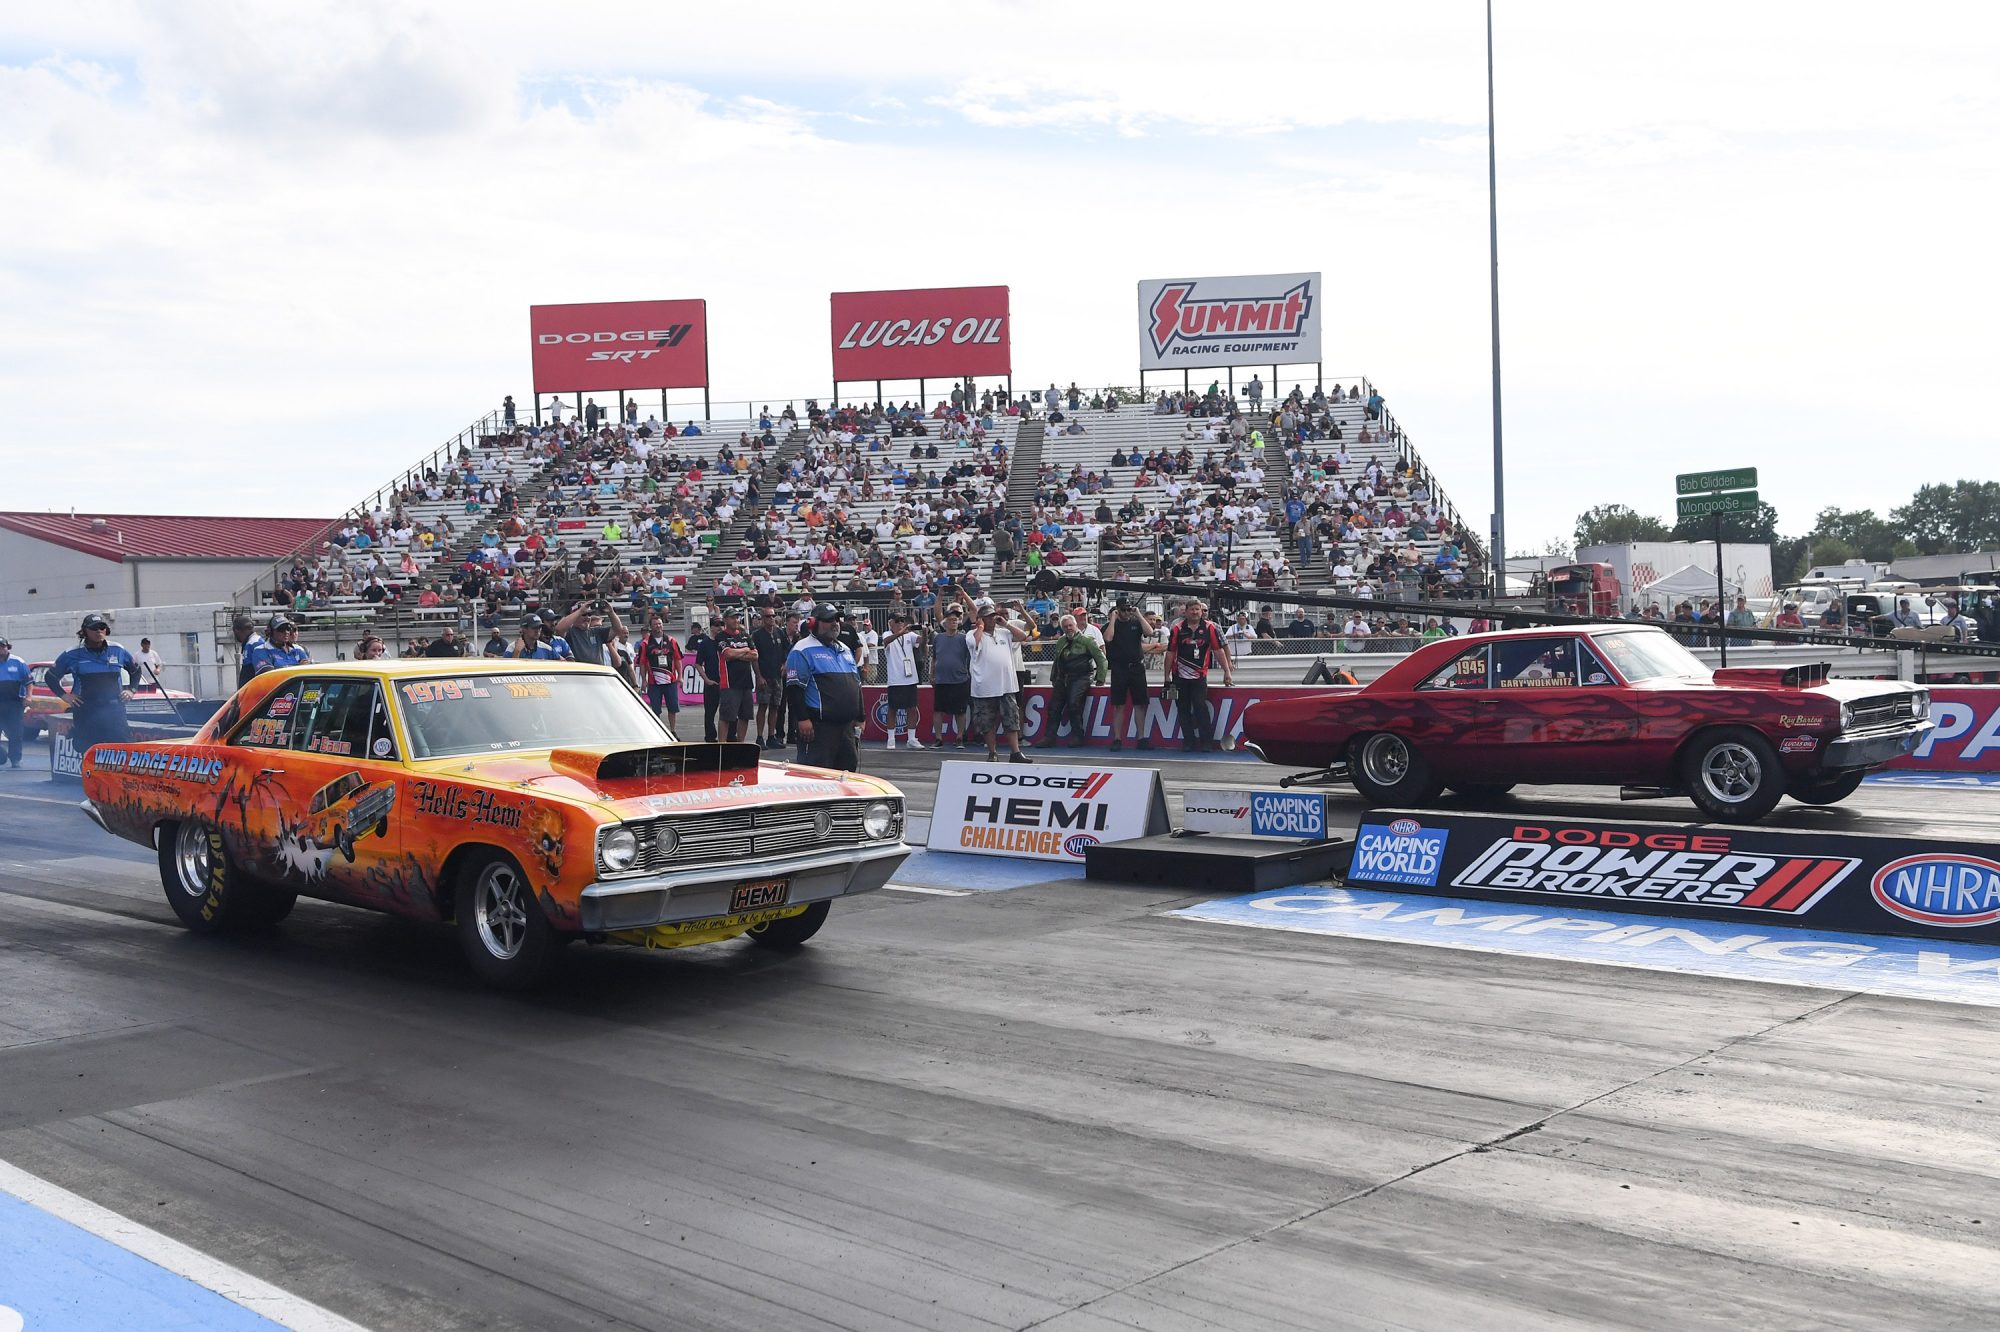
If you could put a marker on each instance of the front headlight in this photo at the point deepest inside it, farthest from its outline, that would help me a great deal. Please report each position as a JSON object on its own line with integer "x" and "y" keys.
{"x": 879, "y": 820}
{"x": 618, "y": 850}
{"x": 1920, "y": 704}
{"x": 1846, "y": 717}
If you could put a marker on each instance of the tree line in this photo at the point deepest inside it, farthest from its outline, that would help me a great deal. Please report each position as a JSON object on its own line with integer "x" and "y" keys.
{"x": 1958, "y": 516}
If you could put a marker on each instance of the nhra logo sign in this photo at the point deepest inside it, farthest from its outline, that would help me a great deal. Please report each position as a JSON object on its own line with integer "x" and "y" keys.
{"x": 1265, "y": 320}
{"x": 1403, "y": 852}
{"x": 1696, "y": 868}
{"x": 1950, "y": 889}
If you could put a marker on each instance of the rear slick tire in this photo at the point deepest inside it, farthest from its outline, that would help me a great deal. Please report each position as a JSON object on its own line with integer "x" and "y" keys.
{"x": 208, "y": 892}
{"x": 1825, "y": 790}
{"x": 1387, "y": 770}
{"x": 792, "y": 931}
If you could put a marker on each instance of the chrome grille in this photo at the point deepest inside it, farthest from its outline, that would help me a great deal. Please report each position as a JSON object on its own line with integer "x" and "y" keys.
{"x": 1883, "y": 710}
{"x": 740, "y": 834}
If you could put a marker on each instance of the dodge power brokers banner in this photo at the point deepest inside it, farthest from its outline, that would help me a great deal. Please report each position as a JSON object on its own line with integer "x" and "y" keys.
{"x": 620, "y": 345}
{"x": 931, "y": 333}
{"x": 1815, "y": 880}
{"x": 1185, "y": 323}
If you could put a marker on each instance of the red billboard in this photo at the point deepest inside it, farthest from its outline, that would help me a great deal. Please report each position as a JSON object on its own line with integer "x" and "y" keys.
{"x": 619, "y": 345}
{"x": 936, "y": 333}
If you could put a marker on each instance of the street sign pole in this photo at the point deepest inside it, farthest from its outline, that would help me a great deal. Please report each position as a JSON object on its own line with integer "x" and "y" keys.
{"x": 1720, "y": 594}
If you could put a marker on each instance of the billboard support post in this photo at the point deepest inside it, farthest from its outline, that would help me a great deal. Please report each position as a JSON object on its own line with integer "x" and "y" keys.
{"x": 878, "y": 393}
{"x": 923, "y": 395}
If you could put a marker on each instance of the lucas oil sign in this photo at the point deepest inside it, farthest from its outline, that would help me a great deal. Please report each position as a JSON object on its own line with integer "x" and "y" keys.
{"x": 1041, "y": 812}
{"x": 1839, "y": 881}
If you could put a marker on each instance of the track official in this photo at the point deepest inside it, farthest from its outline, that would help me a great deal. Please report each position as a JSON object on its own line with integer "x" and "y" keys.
{"x": 248, "y": 640}
{"x": 104, "y": 675}
{"x": 279, "y": 648}
{"x": 823, "y": 688}
{"x": 14, "y": 684}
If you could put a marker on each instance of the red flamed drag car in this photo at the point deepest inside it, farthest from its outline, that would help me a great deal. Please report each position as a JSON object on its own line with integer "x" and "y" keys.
{"x": 1610, "y": 705}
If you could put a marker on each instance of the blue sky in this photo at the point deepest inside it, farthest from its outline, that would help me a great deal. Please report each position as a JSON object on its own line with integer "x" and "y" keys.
{"x": 292, "y": 246}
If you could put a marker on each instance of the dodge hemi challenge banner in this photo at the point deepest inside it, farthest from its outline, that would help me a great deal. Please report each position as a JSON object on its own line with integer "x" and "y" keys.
{"x": 1043, "y": 812}
{"x": 1755, "y": 876}
{"x": 619, "y": 345}
{"x": 1272, "y": 319}
{"x": 934, "y": 333}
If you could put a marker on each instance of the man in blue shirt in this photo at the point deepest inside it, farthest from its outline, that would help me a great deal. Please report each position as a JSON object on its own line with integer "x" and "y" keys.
{"x": 97, "y": 698}
{"x": 280, "y": 648}
{"x": 248, "y": 640}
{"x": 532, "y": 647}
{"x": 823, "y": 688}
{"x": 13, "y": 699}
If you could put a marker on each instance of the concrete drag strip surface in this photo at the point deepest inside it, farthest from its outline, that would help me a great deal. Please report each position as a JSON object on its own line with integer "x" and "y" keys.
{"x": 1053, "y": 1106}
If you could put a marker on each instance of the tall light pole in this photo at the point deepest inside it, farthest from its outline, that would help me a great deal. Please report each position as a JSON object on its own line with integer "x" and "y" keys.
{"x": 1493, "y": 240}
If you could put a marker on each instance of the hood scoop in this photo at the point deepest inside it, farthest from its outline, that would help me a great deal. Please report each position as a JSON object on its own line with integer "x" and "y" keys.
{"x": 621, "y": 765}
{"x": 1780, "y": 677}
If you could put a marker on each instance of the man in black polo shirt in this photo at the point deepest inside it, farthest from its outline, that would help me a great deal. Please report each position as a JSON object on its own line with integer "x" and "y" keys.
{"x": 708, "y": 660}
{"x": 1125, "y": 647}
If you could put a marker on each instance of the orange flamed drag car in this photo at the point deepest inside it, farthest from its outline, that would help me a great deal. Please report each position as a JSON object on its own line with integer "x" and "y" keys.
{"x": 528, "y": 803}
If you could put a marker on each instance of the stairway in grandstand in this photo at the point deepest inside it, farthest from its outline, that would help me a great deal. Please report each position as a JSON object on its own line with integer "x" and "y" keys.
{"x": 1023, "y": 463}
{"x": 721, "y": 557}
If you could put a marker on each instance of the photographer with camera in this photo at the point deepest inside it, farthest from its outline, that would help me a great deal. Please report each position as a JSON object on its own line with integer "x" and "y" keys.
{"x": 1127, "y": 643}
{"x": 589, "y": 627}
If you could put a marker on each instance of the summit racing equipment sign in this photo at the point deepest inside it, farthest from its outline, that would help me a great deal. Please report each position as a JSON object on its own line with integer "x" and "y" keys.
{"x": 619, "y": 345}
{"x": 1272, "y": 319}
{"x": 1040, "y": 812}
{"x": 932, "y": 333}
{"x": 1877, "y": 885}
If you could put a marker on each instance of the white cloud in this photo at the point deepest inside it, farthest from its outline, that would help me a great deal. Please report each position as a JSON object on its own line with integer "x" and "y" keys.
{"x": 261, "y": 257}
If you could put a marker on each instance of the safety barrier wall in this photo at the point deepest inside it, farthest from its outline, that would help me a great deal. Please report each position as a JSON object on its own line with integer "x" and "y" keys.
{"x": 1967, "y": 739}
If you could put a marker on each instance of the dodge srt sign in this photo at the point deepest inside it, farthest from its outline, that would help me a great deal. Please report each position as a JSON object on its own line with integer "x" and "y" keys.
{"x": 620, "y": 345}
{"x": 937, "y": 333}
{"x": 1273, "y": 319}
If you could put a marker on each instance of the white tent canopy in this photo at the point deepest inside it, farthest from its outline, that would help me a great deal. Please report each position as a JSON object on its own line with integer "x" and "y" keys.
{"x": 1691, "y": 581}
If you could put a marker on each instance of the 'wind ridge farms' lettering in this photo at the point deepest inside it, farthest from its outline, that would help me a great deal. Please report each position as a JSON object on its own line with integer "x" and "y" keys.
{"x": 179, "y": 766}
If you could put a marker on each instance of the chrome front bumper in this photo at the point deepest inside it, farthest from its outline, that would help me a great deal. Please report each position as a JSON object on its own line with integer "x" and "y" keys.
{"x": 703, "y": 891}
{"x": 1875, "y": 748}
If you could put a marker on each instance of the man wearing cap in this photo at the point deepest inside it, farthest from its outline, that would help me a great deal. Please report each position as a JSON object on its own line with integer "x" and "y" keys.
{"x": 14, "y": 682}
{"x": 823, "y": 686}
{"x": 951, "y": 678}
{"x": 708, "y": 661}
{"x": 98, "y": 699}
{"x": 738, "y": 711}
{"x": 899, "y": 666}
{"x": 531, "y": 646}
{"x": 1126, "y": 648}
{"x": 248, "y": 640}
{"x": 280, "y": 648}
{"x": 995, "y": 709}
{"x": 1192, "y": 648}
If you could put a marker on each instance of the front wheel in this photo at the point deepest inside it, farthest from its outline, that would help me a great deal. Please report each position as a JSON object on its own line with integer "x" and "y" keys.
{"x": 207, "y": 890}
{"x": 1826, "y": 788}
{"x": 1387, "y": 770}
{"x": 500, "y": 924}
{"x": 1733, "y": 775}
{"x": 792, "y": 930}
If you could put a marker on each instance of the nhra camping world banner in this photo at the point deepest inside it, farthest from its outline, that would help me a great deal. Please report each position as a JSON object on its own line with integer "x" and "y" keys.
{"x": 935, "y": 333}
{"x": 619, "y": 345}
{"x": 1271, "y": 319}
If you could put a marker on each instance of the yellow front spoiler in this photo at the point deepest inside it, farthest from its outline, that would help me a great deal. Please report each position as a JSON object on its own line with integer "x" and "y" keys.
{"x": 711, "y": 929}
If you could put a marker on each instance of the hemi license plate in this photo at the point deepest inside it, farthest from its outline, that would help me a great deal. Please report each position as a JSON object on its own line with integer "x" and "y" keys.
{"x": 759, "y": 895}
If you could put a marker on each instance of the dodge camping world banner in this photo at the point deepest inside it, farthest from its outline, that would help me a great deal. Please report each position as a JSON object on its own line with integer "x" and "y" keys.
{"x": 620, "y": 345}
{"x": 933, "y": 333}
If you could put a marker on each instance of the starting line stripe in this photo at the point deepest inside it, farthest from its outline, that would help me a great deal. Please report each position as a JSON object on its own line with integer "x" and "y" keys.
{"x": 66, "y": 1262}
{"x": 1868, "y": 963}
